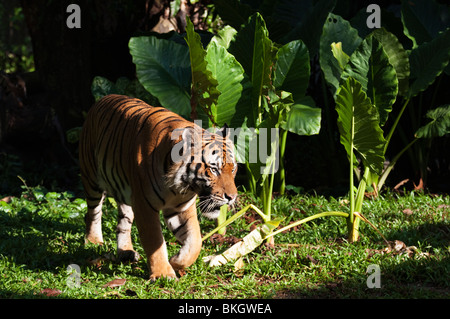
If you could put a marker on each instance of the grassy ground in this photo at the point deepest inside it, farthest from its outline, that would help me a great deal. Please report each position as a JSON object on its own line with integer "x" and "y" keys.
{"x": 41, "y": 233}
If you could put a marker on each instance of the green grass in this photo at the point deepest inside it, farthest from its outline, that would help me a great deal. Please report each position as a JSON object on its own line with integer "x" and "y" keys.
{"x": 42, "y": 232}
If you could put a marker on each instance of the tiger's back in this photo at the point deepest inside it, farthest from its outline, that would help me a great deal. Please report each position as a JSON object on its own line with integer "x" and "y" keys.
{"x": 126, "y": 151}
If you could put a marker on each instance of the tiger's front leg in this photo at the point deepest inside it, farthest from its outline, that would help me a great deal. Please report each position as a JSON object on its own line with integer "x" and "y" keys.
{"x": 152, "y": 240}
{"x": 184, "y": 225}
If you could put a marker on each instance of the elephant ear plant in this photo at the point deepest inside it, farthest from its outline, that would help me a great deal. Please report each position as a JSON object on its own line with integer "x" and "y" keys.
{"x": 386, "y": 71}
{"x": 240, "y": 78}
{"x": 244, "y": 79}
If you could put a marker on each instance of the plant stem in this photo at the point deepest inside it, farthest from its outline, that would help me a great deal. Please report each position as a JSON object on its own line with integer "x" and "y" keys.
{"x": 351, "y": 192}
{"x": 388, "y": 169}
{"x": 280, "y": 178}
{"x": 251, "y": 179}
{"x": 267, "y": 199}
{"x": 307, "y": 219}
{"x": 221, "y": 219}
{"x": 234, "y": 217}
{"x": 389, "y": 136}
{"x": 354, "y": 234}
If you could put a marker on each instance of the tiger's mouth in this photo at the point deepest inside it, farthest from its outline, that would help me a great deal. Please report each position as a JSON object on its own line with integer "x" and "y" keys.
{"x": 210, "y": 207}
{"x": 213, "y": 213}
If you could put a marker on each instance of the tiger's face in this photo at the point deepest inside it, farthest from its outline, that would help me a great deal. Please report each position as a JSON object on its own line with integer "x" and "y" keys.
{"x": 208, "y": 167}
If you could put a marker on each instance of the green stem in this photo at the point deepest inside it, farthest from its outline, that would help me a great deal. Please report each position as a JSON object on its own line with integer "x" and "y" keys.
{"x": 388, "y": 169}
{"x": 251, "y": 179}
{"x": 267, "y": 199}
{"x": 307, "y": 219}
{"x": 236, "y": 216}
{"x": 222, "y": 218}
{"x": 280, "y": 178}
{"x": 389, "y": 136}
{"x": 354, "y": 233}
{"x": 352, "y": 185}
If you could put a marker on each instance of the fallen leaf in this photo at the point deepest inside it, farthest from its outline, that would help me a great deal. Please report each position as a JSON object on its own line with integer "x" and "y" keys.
{"x": 239, "y": 267}
{"x": 399, "y": 245}
{"x": 403, "y": 182}
{"x": 407, "y": 212}
{"x": 315, "y": 262}
{"x": 115, "y": 283}
{"x": 218, "y": 238}
{"x": 50, "y": 292}
{"x": 7, "y": 199}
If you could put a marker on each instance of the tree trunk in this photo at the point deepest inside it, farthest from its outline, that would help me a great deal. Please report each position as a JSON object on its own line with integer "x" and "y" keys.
{"x": 67, "y": 59}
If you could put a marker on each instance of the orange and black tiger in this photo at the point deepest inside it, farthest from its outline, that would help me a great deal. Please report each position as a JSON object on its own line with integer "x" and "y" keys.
{"x": 150, "y": 159}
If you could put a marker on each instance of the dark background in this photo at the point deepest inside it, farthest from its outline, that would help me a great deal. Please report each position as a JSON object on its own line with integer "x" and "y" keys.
{"x": 39, "y": 104}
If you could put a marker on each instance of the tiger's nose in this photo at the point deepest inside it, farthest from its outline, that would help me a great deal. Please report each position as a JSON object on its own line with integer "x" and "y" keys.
{"x": 230, "y": 198}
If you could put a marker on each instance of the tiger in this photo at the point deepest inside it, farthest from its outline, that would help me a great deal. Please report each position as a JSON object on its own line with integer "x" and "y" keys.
{"x": 149, "y": 160}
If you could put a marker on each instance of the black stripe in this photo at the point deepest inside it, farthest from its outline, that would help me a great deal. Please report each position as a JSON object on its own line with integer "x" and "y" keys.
{"x": 182, "y": 203}
{"x": 175, "y": 231}
{"x": 155, "y": 154}
{"x": 148, "y": 202}
{"x": 171, "y": 215}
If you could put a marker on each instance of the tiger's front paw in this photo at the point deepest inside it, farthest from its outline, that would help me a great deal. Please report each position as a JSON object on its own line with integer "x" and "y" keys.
{"x": 166, "y": 272}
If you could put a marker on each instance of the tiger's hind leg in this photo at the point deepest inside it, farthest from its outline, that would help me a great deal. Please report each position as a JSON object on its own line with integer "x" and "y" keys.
{"x": 93, "y": 218}
{"x": 125, "y": 251}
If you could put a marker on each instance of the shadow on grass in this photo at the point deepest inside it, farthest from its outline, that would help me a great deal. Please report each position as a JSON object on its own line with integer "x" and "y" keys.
{"x": 48, "y": 244}
{"x": 412, "y": 279}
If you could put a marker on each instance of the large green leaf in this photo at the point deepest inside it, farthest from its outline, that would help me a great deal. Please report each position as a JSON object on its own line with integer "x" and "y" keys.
{"x": 292, "y": 68}
{"x": 232, "y": 82}
{"x": 163, "y": 68}
{"x": 224, "y": 36}
{"x": 439, "y": 124}
{"x": 427, "y": 61}
{"x": 255, "y": 52}
{"x": 397, "y": 57}
{"x": 336, "y": 29}
{"x": 370, "y": 66}
{"x": 303, "y": 118}
{"x": 249, "y": 243}
{"x": 424, "y": 19}
{"x": 339, "y": 54}
{"x": 204, "y": 92}
{"x": 359, "y": 125}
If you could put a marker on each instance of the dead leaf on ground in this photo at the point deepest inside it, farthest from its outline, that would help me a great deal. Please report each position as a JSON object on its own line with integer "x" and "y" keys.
{"x": 314, "y": 261}
{"x": 239, "y": 267}
{"x": 403, "y": 182}
{"x": 398, "y": 247}
{"x": 7, "y": 199}
{"x": 50, "y": 292}
{"x": 218, "y": 238}
{"x": 115, "y": 283}
{"x": 408, "y": 211}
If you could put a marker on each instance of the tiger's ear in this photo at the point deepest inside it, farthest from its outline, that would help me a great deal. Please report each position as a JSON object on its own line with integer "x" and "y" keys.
{"x": 224, "y": 131}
